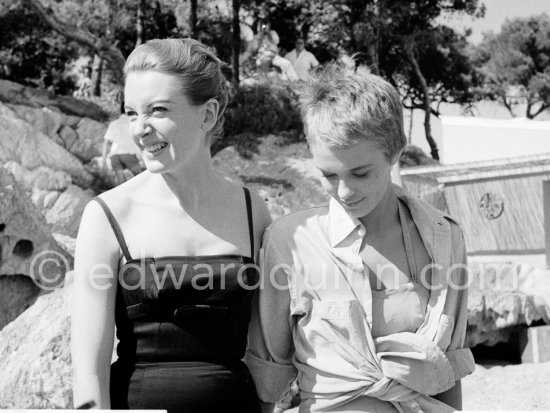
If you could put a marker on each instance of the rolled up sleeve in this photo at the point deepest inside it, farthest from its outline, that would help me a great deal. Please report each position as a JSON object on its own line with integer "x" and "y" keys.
{"x": 460, "y": 358}
{"x": 270, "y": 344}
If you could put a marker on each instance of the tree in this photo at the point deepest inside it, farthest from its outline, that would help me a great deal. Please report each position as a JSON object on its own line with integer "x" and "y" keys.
{"x": 31, "y": 54}
{"x": 410, "y": 45}
{"x": 398, "y": 39}
{"x": 102, "y": 46}
{"x": 193, "y": 19}
{"x": 109, "y": 29}
{"x": 515, "y": 65}
{"x": 236, "y": 34}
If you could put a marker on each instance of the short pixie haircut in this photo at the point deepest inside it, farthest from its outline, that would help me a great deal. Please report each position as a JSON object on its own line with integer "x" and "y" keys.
{"x": 342, "y": 106}
{"x": 196, "y": 66}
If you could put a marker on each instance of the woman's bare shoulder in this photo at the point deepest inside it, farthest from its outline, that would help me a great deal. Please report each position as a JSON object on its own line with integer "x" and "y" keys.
{"x": 120, "y": 198}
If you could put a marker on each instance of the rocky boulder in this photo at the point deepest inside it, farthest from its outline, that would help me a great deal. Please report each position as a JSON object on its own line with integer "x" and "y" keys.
{"x": 43, "y": 178}
{"x": 14, "y": 93}
{"x": 27, "y": 247}
{"x": 499, "y": 303}
{"x": 65, "y": 213}
{"x": 17, "y": 293}
{"x": 35, "y": 357}
{"x": 22, "y": 143}
{"x": 83, "y": 137}
{"x": 89, "y": 143}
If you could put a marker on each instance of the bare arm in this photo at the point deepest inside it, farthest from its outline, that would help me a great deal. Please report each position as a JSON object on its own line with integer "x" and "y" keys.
{"x": 93, "y": 308}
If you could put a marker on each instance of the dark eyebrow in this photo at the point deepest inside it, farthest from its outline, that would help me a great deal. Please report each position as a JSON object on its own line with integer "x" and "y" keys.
{"x": 368, "y": 166}
{"x": 156, "y": 102}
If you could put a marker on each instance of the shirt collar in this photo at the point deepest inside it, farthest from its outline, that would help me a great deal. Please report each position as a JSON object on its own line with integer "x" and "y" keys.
{"x": 426, "y": 217}
{"x": 341, "y": 224}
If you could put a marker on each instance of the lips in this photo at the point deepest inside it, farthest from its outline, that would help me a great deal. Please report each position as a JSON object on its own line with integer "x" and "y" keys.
{"x": 155, "y": 147}
{"x": 351, "y": 204}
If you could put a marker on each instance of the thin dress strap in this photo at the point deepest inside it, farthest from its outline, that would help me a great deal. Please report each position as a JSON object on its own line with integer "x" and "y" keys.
{"x": 116, "y": 228}
{"x": 409, "y": 250}
{"x": 250, "y": 221}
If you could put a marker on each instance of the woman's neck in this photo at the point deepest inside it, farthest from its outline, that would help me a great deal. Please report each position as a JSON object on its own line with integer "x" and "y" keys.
{"x": 194, "y": 184}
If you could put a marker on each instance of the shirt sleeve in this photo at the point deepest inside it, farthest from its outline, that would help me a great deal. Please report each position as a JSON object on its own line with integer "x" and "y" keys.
{"x": 460, "y": 358}
{"x": 270, "y": 344}
{"x": 314, "y": 61}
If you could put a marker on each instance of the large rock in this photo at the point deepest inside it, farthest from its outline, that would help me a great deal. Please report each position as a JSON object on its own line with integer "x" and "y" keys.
{"x": 30, "y": 148}
{"x": 90, "y": 139}
{"x": 17, "y": 293}
{"x": 26, "y": 244}
{"x": 64, "y": 216}
{"x": 499, "y": 303}
{"x": 14, "y": 93}
{"x": 44, "y": 199}
{"x": 66, "y": 137}
{"x": 35, "y": 357}
{"x": 45, "y": 120}
{"x": 43, "y": 178}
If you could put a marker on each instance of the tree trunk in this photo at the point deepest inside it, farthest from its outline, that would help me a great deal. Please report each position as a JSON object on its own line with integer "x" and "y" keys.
{"x": 103, "y": 47}
{"x": 193, "y": 19}
{"x": 409, "y": 140}
{"x": 410, "y": 55}
{"x": 372, "y": 49}
{"x": 139, "y": 23}
{"x": 97, "y": 73}
{"x": 236, "y": 42}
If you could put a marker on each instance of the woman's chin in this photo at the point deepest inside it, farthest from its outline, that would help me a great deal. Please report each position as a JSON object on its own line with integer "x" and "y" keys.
{"x": 155, "y": 167}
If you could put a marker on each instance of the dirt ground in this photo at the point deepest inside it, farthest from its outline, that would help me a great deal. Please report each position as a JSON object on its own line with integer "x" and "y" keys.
{"x": 502, "y": 386}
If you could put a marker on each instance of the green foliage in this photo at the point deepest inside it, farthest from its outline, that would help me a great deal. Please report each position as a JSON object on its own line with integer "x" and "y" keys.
{"x": 443, "y": 57}
{"x": 262, "y": 108}
{"x": 515, "y": 65}
{"x": 31, "y": 54}
{"x": 414, "y": 156}
{"x": 159, "y": 22}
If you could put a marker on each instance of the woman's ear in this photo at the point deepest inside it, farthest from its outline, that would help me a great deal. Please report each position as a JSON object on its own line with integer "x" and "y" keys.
{"x": 211, "y": 109}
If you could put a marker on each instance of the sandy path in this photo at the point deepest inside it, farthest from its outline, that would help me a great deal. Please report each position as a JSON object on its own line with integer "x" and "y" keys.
{"x": 508, "y": 387}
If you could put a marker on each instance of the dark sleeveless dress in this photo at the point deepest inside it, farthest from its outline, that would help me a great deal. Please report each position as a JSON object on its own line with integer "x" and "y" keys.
{"x": 182, "y": 327}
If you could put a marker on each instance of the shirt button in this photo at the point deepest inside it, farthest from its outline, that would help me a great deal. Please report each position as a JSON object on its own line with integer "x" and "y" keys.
{"x": 361, "y": 232}
{"x": 415, "y": 405}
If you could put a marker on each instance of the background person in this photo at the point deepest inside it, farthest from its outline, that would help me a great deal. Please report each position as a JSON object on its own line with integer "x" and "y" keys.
{"x": 120, "y": 149}
{"x": 302, "y": 60}
{"x": 362, "y": 299}
{"x": 268, "y": 54}
{"x": 165, "y": 233}
{"x": 85, "y": 84}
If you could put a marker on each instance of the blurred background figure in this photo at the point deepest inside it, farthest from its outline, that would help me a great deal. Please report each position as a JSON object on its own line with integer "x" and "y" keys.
{"x": 85, "y": 84}
{"x": 268, "y": 54}
{"x": 119, "y": 150}
{"x": 302, "y": 60}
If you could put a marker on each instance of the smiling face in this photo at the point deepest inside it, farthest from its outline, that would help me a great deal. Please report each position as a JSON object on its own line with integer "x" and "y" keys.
{"x": 358, "y": 177}
{"x": 165, "y": 126}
